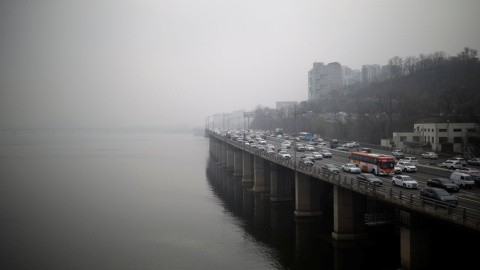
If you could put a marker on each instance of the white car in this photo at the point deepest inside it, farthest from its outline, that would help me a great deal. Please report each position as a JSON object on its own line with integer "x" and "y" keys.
{"x": 322, "y": 144}
{"x": 309, "y": 147}
{"x": 317, "y": 155}
{"x": 284, "y": 154}
{"x": 459, "y": 159}
{"x": 397, "y": 170}
{"x": 350, "y": 167}
{"x": 430, "y": 155}
{"x": 271, "y": 146}
{"x": 406, "y": 166}
{"x": 404, "y": 181}
{"x": 286, "y": 144}
{"x": 352, "y": 144}
{"x": 325, "y": 153}
{"x": 452, "y": 164}
{"x": 412, "y": 160}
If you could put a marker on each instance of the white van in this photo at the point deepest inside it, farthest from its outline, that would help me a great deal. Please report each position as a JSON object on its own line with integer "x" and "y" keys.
{"x": 462, "y": 179}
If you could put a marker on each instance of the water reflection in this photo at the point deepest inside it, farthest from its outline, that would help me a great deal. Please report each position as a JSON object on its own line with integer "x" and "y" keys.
{"x": 295, "y": 243}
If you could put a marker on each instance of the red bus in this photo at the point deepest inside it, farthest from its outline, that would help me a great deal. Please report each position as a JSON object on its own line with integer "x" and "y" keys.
{"x": 377, "y": 164}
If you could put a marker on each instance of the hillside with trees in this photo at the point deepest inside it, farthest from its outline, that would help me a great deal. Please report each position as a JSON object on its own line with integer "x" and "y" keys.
{"x": 424, "y": 89}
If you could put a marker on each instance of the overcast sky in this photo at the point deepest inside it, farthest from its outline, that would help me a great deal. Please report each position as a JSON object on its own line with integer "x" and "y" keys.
{"x": 80, "y": 63}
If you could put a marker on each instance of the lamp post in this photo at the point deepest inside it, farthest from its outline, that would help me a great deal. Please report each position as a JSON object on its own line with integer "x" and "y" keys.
{"x": 225, "y": 114}
{"x": 214, "y": 121}
{"x": 208, "y": 122}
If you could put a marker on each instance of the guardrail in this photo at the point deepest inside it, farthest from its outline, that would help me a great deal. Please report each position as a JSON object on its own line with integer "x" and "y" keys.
{"x": 459, "y": 215}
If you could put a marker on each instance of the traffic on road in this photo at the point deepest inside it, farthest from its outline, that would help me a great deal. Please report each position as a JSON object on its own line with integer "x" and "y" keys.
{"x": 409, "y": 178}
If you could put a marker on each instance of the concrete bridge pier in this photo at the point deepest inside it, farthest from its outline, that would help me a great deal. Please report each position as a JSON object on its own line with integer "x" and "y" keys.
{"x": 247, "y": 167}
{"x": 230, "y": 157}
{"x": 414, "y": 242}
{"x": 307, "y": 195}
{"x": 348, "y": 215}
{"x": 218, "y": 147}
{"x": 214, "y": 148}
{"x": 282, "y": 183}
{"x": 261, "y": 173}
{"x": 237, "y": 162}
{"x": 223, "y": 156}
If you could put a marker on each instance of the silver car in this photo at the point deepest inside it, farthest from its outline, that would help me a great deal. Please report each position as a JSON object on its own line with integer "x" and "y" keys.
{"x": 330, "y": 168}
{"x": 325, "y": 153}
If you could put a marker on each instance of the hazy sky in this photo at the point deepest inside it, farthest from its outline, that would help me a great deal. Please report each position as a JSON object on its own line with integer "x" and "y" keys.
{"x": 78, "y": 63}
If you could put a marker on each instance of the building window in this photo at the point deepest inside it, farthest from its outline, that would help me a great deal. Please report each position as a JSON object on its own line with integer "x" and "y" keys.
{"x": 442, "y": 139}
{"x": 433, "y": 140}
{"x": 403, "y": 138}
{"x": 471, "y": 130}
{"x": 457, "y": 139}
{"x": 457, "y": 130}
{"x": 442, "y": 130}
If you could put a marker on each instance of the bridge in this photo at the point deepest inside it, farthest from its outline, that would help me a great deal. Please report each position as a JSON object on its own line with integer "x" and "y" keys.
{"x": 355, "y": 204}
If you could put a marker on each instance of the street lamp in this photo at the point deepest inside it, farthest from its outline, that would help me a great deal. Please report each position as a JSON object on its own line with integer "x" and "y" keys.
{"x": 208, "y": 122}
{"x": 247, "y": 114}
{"x": 214, "y": 121}
{"x": 225, "y": 114}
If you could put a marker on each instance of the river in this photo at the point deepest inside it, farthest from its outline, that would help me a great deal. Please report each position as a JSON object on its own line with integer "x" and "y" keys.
{"x": 111, "y": 200}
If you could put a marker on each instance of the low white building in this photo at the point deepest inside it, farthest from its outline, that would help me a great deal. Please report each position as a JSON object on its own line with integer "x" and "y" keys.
{"x": 439, "y": 137}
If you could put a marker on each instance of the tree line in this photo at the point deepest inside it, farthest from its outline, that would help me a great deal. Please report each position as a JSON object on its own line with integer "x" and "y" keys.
{"x": 424, "y": 89}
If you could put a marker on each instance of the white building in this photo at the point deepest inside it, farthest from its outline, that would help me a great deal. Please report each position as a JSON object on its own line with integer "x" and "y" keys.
{"x": 440, "y": 137}
{"x": 370, "y": 73}
{"x": 322, "y": 79}
{"x": 350, "y": 76}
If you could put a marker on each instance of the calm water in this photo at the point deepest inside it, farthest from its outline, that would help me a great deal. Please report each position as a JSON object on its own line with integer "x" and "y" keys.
{"x": 152, "y": 201}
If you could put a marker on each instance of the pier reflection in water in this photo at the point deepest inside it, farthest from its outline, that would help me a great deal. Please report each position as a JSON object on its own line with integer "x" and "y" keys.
{"x": 299, "y": 243}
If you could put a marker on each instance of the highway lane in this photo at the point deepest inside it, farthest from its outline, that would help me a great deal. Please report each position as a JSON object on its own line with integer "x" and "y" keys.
{"x": 469, "y": 198}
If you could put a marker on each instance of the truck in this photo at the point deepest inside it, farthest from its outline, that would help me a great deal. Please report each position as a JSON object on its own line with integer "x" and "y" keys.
{"x": 305, "y": 136}
{"x": 334, "y": 143}
{"x": 279, "y": 131}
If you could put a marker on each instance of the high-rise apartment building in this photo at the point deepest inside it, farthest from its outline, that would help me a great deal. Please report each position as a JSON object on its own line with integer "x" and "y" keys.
{"x": 370, "y": 73}
{"x": 323, "y": 78}
{"x": 350, "y": 76}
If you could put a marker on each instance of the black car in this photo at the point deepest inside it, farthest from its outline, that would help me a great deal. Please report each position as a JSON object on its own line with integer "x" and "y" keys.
{"x": 443, "y": 183}
{"x": 438, "y": 194}
{"x": 369, "y": 178}
{"x": 306, "y": 161}
{"x": 477, "y": 180}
